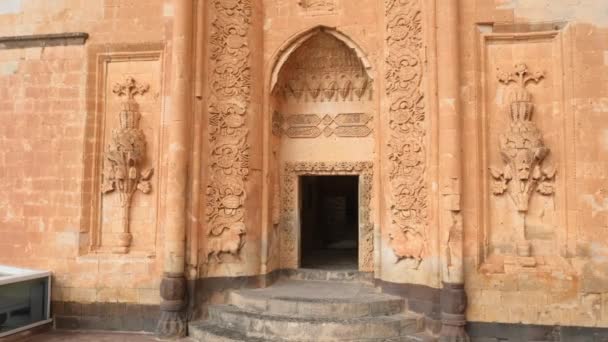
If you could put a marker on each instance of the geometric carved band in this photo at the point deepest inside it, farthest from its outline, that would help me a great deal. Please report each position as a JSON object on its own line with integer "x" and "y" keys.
{"x": 313, "y": 125}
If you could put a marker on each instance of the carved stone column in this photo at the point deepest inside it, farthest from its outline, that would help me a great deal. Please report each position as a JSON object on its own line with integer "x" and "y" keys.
{"x": 173, "y": 322}
{"x": 453, "y": 296}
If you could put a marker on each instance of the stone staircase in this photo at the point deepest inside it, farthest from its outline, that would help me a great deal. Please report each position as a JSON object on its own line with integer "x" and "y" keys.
{"x": 312, "y": 305}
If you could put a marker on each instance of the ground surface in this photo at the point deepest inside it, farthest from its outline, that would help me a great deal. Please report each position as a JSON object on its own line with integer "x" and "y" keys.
{"x": 67, "y": 336}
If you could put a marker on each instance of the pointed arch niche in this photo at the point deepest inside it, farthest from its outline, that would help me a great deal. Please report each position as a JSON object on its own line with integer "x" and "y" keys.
{"x": 323, "y": 124}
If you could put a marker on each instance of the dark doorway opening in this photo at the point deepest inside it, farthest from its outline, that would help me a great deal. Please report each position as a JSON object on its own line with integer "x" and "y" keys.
{"x": 329, "y": 214}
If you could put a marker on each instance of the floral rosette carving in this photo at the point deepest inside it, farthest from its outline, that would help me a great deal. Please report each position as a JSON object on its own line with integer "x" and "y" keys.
{"x": 124, "y": 157}
{"x": 522, "y": 147}
{"x": 230, "y": 82}
{"x": 407, "y": 123}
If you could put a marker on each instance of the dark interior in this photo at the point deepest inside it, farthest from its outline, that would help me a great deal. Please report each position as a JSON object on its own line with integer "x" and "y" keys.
{"x": 329, "y": 212}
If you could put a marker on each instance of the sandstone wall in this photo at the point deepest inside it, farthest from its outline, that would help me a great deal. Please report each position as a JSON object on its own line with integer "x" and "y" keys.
{"x": 563, "y": 279}
{"x": 58, "y": 111}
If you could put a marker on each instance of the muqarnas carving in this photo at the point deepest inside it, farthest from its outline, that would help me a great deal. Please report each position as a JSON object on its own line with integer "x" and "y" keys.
{"x": 523, "y": 152}
{"x": 324, "y": 69}
{"x": 407, "y": 123}
{"x": 229, "y": 150}
{"x": 125, "y": 156}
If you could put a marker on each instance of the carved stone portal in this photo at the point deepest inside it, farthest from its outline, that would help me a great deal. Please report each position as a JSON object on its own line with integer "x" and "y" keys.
{"x": 289, "y": 210}
{"x": 523, "y": 151}
{"x": 407, "y": 121}
{"x": 125, "y": 156}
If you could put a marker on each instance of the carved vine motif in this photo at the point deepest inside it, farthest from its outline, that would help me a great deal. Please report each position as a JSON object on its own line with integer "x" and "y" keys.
{"x": 324, "y": 69}
{"x": 407, "y": 122}
{"x": 523, "y": 151}
{"x": 288, "y": 235}
{"x": 125, "y": 156}
{"x": 229, "y": 150}
{"x": 312, "y": 126}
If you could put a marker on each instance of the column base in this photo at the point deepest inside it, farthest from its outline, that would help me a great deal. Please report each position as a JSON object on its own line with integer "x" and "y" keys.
{"x": 173, "y": 322}
{"x": 453, "y": 307}
{"x": 172, "y": 325}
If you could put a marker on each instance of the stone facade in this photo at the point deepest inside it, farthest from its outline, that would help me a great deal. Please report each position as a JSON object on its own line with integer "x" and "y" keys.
{"x": 151, "y": 149}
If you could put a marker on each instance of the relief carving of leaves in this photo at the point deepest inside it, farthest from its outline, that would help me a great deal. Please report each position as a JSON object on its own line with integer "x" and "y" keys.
{"x": 108, "y": 186}
{"x": 146, "y": 174}
{"x": 144, "y": 186}
{"x": 495, "y": 172}
{"x": 546, "y": 188}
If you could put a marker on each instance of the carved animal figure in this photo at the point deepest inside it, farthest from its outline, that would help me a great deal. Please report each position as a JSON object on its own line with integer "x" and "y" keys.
{"x": 407, "y": 245}
{"x": 229, "y": 241}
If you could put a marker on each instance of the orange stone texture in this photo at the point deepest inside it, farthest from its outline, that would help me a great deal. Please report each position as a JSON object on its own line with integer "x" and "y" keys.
{"x": 478, "y": 130}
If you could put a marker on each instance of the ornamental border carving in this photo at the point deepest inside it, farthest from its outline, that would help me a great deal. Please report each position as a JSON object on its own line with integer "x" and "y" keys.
{"x": 407, "y": 129}
{"x": 230, "y": 88}
{"x": 289, "y": 233}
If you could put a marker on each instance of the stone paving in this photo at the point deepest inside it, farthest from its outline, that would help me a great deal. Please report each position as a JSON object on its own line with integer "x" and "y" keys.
{"x": 70, "y": 336}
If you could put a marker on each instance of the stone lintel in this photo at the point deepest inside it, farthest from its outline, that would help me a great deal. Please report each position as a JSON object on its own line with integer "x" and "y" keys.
{"x": 42, "y": 40}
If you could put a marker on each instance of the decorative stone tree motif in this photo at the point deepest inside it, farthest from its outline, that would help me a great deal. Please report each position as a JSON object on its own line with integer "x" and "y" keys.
{"x": 523, "y": 151}
{"x": 125, "y": 155}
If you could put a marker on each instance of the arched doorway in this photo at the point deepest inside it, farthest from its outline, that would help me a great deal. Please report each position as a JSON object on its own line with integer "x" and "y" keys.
{"x": 323, "y": 151}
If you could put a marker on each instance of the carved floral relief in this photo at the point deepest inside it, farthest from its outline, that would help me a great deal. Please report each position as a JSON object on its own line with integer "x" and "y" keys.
{"x": 523, "y": 152}
{"x": 230, "y": 82}
{"x": 407, "y": 123}
{"x": 125, "y": 156}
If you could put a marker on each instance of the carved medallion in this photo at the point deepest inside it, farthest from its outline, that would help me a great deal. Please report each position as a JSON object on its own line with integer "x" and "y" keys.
{"x": 407, "y": 122}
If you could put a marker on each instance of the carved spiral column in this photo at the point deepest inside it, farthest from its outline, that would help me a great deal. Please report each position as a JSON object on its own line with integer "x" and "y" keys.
{"x": 173, "y": 322}
{"x": 453, "y": 295}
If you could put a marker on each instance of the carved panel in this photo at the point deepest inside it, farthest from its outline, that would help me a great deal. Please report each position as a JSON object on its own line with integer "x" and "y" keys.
{"x": 523, "y": 151}
{"x": 230, "y": 81}
{"x": 324, "y": 69}
{"x": 407, "y": 123}
{"x": 124, "y": 158}
{"x": 123, "y": 149}
{"x": 524, "y": 220}
{"x": 289, "y": 235}
{"x": 312, "y": 126}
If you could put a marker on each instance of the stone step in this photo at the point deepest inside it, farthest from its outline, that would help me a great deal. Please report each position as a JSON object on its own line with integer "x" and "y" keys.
{"x": 329, "y": 275}
{"x": 209, "y": 332}
{"x": 320, "y": 299}
{"x": 277, "y": 327}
